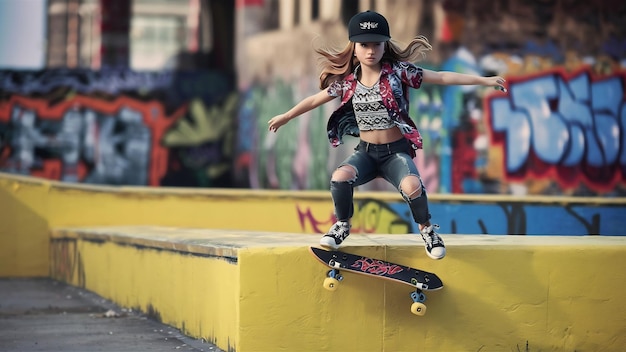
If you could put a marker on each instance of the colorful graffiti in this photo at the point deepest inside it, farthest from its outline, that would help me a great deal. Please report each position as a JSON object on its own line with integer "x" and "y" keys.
{"x": 82, "y": 139}
{"x": 569, "y": 128}
{"x": 465, "y": 130}
{"x": 296, "y": 158}
{"x": 370, "y": 216}
{"x": 473, "y": 217}
{"x": 201, "y": 145}
{"x": 123, "y": 128}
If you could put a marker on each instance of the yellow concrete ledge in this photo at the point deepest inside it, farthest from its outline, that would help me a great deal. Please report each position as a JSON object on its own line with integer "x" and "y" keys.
{"x": 256, "y": 291}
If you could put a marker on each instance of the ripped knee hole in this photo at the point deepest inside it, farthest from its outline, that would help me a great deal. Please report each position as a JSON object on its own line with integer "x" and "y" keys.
{"x": 344, "y": 174}
{"x": 415, "y": 190}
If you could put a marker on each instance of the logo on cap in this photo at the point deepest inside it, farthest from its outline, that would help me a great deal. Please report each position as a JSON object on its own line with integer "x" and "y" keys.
{"x": 368, "y": 25}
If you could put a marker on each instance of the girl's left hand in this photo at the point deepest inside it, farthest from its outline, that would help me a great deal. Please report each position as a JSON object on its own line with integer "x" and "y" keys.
{"x": 497, "y": 82}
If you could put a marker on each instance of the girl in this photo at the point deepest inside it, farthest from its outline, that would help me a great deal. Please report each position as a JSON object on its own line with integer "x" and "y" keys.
{"x": 371, "y": 75}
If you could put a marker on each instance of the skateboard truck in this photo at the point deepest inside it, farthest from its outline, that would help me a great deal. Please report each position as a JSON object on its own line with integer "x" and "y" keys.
{"x": 418, "y": 307}
{"x": 332, "y": 279}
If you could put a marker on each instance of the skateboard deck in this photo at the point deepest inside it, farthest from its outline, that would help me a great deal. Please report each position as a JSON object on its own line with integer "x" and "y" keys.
{"x": 339, "y": 261}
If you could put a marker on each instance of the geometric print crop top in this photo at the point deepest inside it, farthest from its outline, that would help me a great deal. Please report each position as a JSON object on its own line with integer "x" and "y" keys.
{"x": 369, "y": 110}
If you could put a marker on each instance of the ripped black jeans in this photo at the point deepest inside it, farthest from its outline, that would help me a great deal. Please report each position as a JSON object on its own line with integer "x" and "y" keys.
{"x": 391, "y": 161}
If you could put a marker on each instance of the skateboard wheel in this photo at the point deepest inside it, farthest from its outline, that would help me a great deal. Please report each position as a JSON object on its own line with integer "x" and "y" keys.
{"x": 418, "y": 308}
{"x": 330, "y": 283}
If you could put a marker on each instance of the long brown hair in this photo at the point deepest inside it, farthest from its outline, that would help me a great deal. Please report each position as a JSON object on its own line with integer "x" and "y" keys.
{"x": 336, "y": 64}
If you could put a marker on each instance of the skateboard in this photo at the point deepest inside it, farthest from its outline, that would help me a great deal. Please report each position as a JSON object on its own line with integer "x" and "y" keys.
{"x": 418, "y": 279}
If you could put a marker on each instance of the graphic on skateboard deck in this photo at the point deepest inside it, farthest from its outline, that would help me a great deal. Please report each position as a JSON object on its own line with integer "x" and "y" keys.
{"x": 418, "y": 279}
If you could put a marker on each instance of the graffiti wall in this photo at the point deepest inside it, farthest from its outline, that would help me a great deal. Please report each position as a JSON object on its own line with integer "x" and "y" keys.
{"x": 559, "y": 130}
{"x": 553, "y": 132}
{"x": 568, "y": 128}
{"x": 118, "y": 127}
{"x": 556, "y": 131}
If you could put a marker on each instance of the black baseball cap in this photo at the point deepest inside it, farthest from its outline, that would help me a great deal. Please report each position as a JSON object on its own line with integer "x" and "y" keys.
{"x": 368, "y": 27}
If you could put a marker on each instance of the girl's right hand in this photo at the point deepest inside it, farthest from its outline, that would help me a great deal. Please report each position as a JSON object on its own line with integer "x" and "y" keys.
{"x": 305, "y": 105}
{"x": 277, "y": 121}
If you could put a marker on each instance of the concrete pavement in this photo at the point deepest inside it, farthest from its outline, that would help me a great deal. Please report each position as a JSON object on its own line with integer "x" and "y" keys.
{"x": 46, "y": 315}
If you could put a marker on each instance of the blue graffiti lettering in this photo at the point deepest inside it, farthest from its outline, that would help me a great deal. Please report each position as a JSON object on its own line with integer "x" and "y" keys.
{"x": 563, "y": 122}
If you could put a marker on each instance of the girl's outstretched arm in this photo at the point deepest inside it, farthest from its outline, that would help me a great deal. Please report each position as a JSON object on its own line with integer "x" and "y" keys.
{"x": 306, "y": 104}
{"x": 454, "y": 78}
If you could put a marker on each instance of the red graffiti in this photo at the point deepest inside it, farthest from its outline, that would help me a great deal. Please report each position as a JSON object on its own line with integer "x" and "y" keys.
{"x": 377, "y": 267}
{"x": 319, "y": 226}
{"x": 153, "y": 117}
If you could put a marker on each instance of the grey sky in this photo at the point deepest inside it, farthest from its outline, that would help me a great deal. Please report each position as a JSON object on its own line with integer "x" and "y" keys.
{"x": 22, "y": 34}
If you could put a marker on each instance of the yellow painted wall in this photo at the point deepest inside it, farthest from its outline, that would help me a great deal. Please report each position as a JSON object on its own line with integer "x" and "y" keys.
{"x": 501, "y": 292}
{"x": 197, "y": 294}
{"x": 284, "y": 285}
{"x": 494, "y": 299}
{"x": 31, "y": 206}
{"x": 23, "y": 228}
{"x": 558, "y": 297}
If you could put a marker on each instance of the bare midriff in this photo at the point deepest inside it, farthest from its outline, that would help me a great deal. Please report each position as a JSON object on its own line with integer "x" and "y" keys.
{"x": 381, "y": 136}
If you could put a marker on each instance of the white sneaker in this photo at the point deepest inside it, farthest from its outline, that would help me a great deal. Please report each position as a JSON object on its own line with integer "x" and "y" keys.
{"x": 336, "y": 235}
{"x": 435, "y": 248}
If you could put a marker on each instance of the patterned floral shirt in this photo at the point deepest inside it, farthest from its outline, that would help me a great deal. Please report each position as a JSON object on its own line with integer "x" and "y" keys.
{"x": 395, "y": 78}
